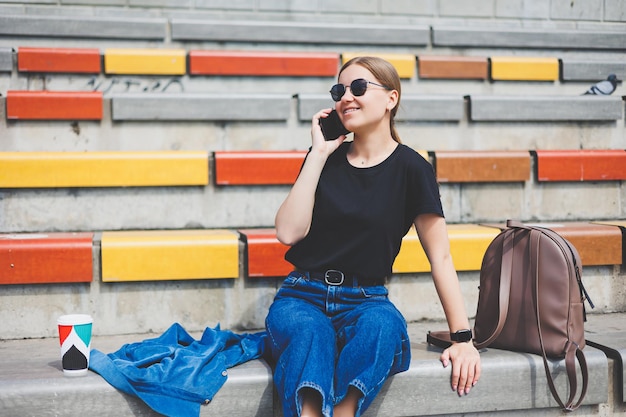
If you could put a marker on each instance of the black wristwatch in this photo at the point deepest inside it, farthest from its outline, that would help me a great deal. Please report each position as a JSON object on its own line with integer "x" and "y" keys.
{"x": 464, "y": 335}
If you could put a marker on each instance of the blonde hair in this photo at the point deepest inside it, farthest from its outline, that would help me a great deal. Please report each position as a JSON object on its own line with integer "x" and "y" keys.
{"x": 386, "y": 73}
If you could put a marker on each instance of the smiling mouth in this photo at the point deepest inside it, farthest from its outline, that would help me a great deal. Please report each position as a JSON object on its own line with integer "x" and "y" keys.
{"x": 346, "y": 111}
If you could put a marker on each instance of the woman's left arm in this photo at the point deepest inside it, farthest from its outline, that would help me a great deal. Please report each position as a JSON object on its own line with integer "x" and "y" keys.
{"x": 465, "y": 359}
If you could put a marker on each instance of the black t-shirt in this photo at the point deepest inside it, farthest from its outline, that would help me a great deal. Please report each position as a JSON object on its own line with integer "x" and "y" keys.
{"x": 361, "y": 214}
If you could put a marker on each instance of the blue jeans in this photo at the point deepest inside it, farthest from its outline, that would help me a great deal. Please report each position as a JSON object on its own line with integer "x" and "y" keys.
{"x": 330, "y": 338}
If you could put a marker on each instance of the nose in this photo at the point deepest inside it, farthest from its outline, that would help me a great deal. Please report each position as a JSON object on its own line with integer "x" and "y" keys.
{"x": 348, "y": 90}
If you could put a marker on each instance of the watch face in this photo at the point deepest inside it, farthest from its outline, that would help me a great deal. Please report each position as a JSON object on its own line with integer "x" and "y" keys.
{"x": 462, "y": 336}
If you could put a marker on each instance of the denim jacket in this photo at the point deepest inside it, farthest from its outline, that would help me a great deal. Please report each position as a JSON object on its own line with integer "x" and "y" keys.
{"x": 174, "y": 373}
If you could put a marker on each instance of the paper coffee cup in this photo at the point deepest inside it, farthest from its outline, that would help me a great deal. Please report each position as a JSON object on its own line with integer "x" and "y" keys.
{"x": 75, "y": 339}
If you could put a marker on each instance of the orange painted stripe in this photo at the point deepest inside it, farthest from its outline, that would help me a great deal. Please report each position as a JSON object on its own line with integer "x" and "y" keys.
{"x": 597, "y": 244}
{"x": 621, "y": 224}
{"x": 71, "y": 60}
{"x": 49, "y": 105}
{"x": 581, "y": 165}
{"x": 266, "y": 255}
{"x": 453, "y": 67}
{"x": 289, "y": 64}
{"x": 46, "y": 258}
{"x": 257, "y": 168}
{"x": 482, "y": 166}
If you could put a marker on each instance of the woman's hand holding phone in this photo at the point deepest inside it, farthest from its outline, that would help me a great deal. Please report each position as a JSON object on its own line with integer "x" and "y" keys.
{"x": 326, "y": 146}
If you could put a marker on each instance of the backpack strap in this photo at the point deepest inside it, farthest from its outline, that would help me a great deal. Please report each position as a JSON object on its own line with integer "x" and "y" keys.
{"x": 442, "y": 338}
{"x": 572, "y": 351}
{"x": 506, "y": 271}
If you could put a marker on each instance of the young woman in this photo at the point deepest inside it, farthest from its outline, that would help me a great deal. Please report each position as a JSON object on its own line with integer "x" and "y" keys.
{"x": 335, "y": 336}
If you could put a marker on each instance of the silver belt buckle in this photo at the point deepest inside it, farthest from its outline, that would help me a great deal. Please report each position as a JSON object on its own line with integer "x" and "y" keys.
{"x": 333, "y": 277}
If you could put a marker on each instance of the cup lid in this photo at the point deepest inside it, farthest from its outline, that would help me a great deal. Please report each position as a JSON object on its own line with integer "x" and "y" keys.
{"x": 70, "y": 319}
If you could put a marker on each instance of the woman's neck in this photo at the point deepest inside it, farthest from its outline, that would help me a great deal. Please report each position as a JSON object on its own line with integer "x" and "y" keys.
{"x": 368, "y": 151}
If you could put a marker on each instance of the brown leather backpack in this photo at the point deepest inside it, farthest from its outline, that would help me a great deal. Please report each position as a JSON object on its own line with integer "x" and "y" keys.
{"x": 531, "y": 300}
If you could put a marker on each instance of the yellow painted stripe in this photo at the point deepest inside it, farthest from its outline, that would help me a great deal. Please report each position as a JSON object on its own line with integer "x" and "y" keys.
{"x": 468, "y": 244}
{"x": 169, "y": 255}
{"x": 405, "y": 64}
{"x": 411, "y": 257}
{"x": 524, "y": 68}
{"x": 620, "y": 223}
{"x": 145, "y": 61}
{"x": 424, "y": 154}
{"x": 103, "y": 169}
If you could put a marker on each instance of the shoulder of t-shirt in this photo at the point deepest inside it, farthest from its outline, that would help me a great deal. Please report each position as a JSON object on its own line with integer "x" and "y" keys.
{"x": 412, "y": 156}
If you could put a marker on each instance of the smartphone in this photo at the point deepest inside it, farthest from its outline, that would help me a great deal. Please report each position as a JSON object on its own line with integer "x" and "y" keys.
{"x": 332, "y": 127}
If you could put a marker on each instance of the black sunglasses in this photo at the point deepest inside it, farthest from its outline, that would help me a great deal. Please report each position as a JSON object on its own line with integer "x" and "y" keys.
{"x": 358, "y": 87}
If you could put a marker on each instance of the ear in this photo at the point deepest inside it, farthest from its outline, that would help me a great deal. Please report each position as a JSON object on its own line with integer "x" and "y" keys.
{"x": 392, "y": 99}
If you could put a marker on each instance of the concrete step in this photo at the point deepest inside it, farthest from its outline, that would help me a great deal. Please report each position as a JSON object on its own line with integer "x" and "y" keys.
{"x": 143, "y": 307}
{"x": 32, "y": 384}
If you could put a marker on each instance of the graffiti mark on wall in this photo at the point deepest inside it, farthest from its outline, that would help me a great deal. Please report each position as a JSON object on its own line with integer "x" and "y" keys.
{"x": 135, "y": 85}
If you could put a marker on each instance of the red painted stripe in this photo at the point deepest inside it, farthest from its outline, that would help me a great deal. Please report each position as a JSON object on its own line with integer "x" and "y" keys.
{"x": 581, "y": 165}
{"x": 257, "y": 168}
{"x": 46, "y": 258}
{"x": 49, "y": 105}
{"x": 289, "y": 64}
{"x": 70, "y": 60}
{"x": 266, "y": 255}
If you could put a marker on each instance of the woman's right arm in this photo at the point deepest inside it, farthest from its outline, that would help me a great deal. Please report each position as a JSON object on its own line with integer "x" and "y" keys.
{"x": 293, "y": 218}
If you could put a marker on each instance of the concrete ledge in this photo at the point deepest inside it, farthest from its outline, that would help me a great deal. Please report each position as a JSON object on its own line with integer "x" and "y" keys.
{"x": 157, "y": 255}
{"x": 36, "y": 378}
{"x": 6, "y": 59}
{"x": 309, "y": 104}
{"x": 510, "y": 381}
{"x": 200, "y": 107}
{"x": 83, "y": 27}
{"x": 31, "y": 376}
{"x": 431, "y": 108}
{"x": 413, "y": 108}
{"x": 587, "y": 70}
{"x": 299, "y": 32}
{"x": 545, "y": 108}
{"x": 613, "y": 344}
{"x": 526, "y": 38}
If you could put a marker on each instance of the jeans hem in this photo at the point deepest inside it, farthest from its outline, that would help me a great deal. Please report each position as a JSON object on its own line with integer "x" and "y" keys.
{"x": 326, "y": 409}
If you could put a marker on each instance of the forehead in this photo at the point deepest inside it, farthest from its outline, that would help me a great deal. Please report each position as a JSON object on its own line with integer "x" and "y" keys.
{"x": 353, "y": 72}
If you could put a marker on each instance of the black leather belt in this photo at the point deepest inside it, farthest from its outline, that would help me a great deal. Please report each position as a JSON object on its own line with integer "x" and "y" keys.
{"x": 335, "y": 277}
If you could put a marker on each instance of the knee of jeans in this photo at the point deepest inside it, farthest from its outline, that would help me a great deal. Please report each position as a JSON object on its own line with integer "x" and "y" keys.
{"x": 384, "y": 322}
{"x": 306, "y": 332}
